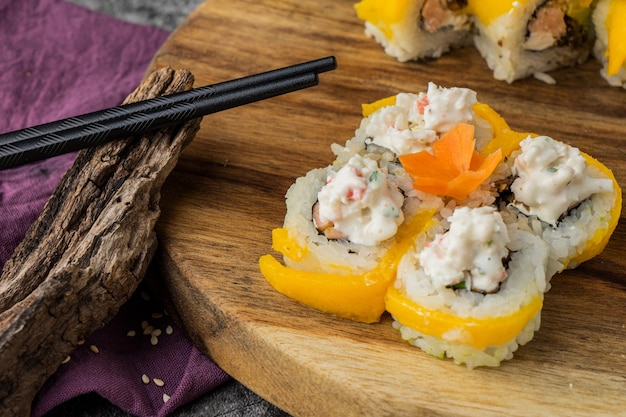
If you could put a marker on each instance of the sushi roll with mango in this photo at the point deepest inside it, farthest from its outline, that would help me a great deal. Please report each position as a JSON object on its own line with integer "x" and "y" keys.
{"x": 439, "y": 213}
{"x": 473, "y": 291}
{"x": 416, "y": 29}
{"x": 472, "y": 287}
{"x": 516, "y": 38}
{"x": 522, "y": 38}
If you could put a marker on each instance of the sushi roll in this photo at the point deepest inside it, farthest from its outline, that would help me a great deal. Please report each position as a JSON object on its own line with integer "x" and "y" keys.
{"x": 345, "y": 225}
{"x": 567, "y": 197}
{"x": 471, "y": 288}
{"x": 416, "y": 29}
{"x": 610, "y": 45}
{"x": 473, "y": 291}
{"x": 326, "y": 207}
{"x": 521, "y": 38}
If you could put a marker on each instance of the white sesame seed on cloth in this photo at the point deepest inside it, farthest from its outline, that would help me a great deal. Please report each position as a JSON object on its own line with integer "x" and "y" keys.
{"x": 160, "y": 370}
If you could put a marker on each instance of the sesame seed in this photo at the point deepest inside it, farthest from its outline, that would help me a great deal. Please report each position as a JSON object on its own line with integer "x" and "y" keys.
{"x": 131, "y": 333}
{"x": 157, "y": 315}
{"x": 148, "y": 330}
{"x": 80, "y": 342}
{"x": 154, "y": 340}
{"x": 94, "y": 349}
{"x": 67, "y": 359}
{"x": 158, "y": 382}
{"x": 144, "y": 324}
{"x": 169, "y": 330}
{"x": 166, "y": 398}
{"x": 156, "y": 332}
{"x": 145, "y": 379}
{"x": 145, "y": 296}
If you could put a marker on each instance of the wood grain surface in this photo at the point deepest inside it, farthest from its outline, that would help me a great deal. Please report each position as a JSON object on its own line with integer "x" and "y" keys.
{"x": 227, "y": 193}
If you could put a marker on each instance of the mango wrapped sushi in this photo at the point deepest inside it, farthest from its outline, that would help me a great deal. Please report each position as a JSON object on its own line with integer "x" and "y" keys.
{"x": 609, "y": 19}
{"x": 518, "y": 39}
{"x": 416, "y": 29}
{"x": 472, "y": 292}
{"x": 478, "y": 218}
{"x": 569, "y": 198}
{"x": 348, "y": 223}
{"x": 345, "y": 226}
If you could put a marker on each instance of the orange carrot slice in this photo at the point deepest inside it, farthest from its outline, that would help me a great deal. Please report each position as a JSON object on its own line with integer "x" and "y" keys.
{"x": 454, "y": 169}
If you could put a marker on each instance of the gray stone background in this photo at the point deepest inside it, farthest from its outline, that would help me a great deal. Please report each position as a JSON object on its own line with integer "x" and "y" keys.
{"x": 231, "y": 399}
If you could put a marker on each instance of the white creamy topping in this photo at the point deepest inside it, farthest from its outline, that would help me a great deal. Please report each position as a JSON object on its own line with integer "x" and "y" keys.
{"x": 551, "y": 178}
{"x": 471, "y": 251}
{"x": 361, "y": 202}
{"x": 416, "y": 120}
{"x": 447, "y": 107}
{"x": 400, "y": 127}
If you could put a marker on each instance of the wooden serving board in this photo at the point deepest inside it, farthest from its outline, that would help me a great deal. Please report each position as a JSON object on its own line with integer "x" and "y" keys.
{"x": 227, "y": 194}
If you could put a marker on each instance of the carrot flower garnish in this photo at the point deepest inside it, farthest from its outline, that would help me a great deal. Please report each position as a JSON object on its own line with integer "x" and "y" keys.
{"x": 455, "y": 169}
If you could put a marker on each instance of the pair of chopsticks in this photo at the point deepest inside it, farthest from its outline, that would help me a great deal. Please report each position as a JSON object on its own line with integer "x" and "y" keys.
{"x": 91, "y": 129}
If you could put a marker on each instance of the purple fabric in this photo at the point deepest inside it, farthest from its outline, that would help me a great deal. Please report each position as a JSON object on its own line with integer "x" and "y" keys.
{"x": 59, "y": 60}
{"x": 140, "y": 361}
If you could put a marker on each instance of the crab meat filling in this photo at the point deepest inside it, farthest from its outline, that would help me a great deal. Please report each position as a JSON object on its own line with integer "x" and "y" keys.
{"x": 414, "y": 122}
{"x": 552, "y": 177}
{"x": 359, "y": 203}
{"x": 471, "y": 254}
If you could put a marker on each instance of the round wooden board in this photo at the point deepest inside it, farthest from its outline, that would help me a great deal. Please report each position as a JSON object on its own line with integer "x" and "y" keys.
{"x": 227, "y": 194}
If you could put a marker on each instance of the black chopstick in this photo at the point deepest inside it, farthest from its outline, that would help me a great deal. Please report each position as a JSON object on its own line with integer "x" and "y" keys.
{"x": 91, "y": 129}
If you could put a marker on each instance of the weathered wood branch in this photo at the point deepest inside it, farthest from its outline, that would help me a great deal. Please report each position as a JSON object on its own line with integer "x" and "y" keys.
{"x": 87, "y": 252}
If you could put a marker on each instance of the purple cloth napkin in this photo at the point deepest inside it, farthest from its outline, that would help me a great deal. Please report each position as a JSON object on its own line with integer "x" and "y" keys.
{"x": 59, "y": 60}
{"x": 140, "y": 361}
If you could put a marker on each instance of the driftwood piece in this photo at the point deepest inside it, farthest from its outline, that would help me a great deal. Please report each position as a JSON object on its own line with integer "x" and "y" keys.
{"x": 87, "y": 252}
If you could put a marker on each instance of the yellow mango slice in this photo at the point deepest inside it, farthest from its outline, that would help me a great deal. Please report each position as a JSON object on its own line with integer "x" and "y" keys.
{"x": 599, "y": 240}
{"x": 347, "y": 296}
{"x": 288, "y": 246}
{"x": 369, "y": 108}
{"x": 505, "y": 138}
{"x": 616, "y": 28}
{"x": 358, "y": 297}
{"x": 488, "y": 11}
{"x": 478, "y": 333}
{"x": 383, "y": 14}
